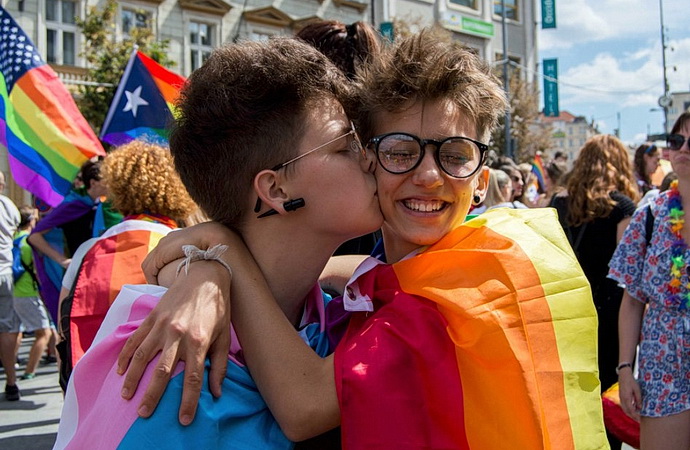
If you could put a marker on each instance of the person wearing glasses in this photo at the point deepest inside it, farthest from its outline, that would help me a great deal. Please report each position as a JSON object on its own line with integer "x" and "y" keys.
{"x": 645, "y": 163}
{"x": 267, "y": 159}
{"x": 655, "y": 311}
{"x": 426, "y": 110}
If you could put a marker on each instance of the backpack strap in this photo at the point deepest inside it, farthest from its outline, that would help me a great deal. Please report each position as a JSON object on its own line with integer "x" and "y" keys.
{"x": 649, "y": 225}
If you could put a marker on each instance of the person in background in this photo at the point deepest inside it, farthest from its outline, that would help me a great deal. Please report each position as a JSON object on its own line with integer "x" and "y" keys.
{"x": 517, "y": 183}
{"x": 505, "y": 188}
{"x": 495, "y": 191}
{"x": 594, "y": 210}
{"x": 655, "y": 311}
{"x": 556, "y": 171}
{"x": 83, "y": 214}
{"x": 145, "y": 188}
{"x": 9, "y": 320}
{"x": 30, "y": 308}
{"x": 645, "y": 163}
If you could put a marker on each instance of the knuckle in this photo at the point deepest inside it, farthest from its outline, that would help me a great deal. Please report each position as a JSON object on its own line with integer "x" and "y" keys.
{"x": 193, "y": 379}
{"x": 162, "y": 371}
{"x": 139, "y": 355}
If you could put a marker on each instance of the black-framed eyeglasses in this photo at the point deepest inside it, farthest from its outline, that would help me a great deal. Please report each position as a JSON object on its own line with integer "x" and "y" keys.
{"x": 354, "y": 146}
{"x": 676, "y": 141}
{"x": 457, "y": 156}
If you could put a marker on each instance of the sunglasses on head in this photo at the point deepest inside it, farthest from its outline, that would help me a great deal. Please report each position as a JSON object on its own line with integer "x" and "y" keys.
{"x": 676, "y": 141}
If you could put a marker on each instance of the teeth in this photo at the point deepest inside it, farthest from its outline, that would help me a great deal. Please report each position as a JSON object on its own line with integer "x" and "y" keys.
{"x": 424, "y": 206}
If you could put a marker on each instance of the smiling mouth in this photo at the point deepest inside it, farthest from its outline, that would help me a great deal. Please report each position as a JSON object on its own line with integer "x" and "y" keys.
{"x": 428, "y": 206}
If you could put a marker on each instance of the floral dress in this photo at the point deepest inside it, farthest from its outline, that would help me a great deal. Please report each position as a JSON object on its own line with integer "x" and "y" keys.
{"x": 664, "y": 355}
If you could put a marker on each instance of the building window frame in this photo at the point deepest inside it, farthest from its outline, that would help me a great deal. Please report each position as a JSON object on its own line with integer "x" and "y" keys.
{"x": 475, "y": 8}
{"x": 136, "y": 8}
{"x": 515, "y": 8}
{"x": 56, "y": 26}
{"x": 195, "y": 51}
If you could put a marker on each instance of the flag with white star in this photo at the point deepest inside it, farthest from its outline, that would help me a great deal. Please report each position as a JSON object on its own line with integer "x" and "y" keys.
{"x": 46, "y": 137}
{"x": 143, "y": 104}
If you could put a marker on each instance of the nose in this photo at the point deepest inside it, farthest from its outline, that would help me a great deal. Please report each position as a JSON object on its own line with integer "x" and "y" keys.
{"x": 428, "y": 174}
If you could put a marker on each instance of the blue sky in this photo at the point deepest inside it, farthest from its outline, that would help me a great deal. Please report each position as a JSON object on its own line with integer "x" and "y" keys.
{"x": 610, "y": 60}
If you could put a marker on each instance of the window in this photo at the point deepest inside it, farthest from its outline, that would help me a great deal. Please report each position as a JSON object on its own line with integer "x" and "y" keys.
{"x": 511, "y": 9}
{"x": 61, "y": 32}
{"x": 200, "y": 43}
{"x": 468, "y": 3}
{"x": 134, "y": 18}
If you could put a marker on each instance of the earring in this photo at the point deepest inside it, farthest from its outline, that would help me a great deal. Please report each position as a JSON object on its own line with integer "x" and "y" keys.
{"x": 476, "y": 199}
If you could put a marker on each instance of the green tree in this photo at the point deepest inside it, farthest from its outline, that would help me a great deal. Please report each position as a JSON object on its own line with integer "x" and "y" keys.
{"x": 528, "y": 135}
{"x": 106, "y": 58}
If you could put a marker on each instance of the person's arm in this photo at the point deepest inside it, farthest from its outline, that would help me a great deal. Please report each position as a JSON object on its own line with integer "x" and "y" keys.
{"x": 620, "y": 229}
{"x": 297, "y": 384}
{"x": 338, "y": 271}
{"x": 629, "y": 324}
{"x": 39, "y": 242}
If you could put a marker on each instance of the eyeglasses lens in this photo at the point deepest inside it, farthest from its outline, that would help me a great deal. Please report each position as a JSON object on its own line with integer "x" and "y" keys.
{"x": 399, "y": 153}
{"x": 459, "y": 157}
{"x": 676, "y": 141}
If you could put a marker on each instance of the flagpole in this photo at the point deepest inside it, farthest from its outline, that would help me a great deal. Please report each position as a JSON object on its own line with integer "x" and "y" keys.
{"x": 119, "y": 91}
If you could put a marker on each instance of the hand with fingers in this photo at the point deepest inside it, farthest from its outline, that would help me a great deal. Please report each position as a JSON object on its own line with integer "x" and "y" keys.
{"x": 630, "y": 394}
{"x": 190, "y": 323}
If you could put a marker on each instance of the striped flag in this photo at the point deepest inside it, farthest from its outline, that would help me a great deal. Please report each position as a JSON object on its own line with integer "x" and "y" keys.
{"x": 538, "y": 170}
{"x": 46, "y": 137}
{"x": 143, "y": 104}
{"x": 485, "y": 338}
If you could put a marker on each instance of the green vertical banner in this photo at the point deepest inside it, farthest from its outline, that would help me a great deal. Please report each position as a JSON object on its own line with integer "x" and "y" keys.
{"x": 548, "y": 14}
{"x": 386, "y": 29}
{"x": 551, "y": 87}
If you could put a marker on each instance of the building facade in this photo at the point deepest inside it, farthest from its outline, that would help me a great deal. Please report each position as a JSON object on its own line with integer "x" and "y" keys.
{"x": 680, "y": 103}
{"x": 568, "y": 134}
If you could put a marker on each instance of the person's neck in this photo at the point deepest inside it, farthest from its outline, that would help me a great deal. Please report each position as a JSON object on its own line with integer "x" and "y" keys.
{"x": 395, "y": 249}
{"x": 291, "y": 258}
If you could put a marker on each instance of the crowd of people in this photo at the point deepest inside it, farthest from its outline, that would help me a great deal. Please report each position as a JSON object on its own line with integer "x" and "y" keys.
{"x": 334, "y": 143}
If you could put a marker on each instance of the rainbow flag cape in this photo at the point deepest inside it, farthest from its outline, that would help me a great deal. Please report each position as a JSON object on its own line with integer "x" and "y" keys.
{"x": 143, "y": 104}
{"x": 46, "y": 137}
{"x": 538, "y": 170}
{"x": 486, "y": 339}
{"x": 114, "y": 260}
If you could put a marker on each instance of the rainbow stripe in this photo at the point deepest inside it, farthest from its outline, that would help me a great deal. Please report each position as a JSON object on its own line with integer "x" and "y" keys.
{"x": 114, "y": 260}
{"x": 46, "y": 137}
{"x": 143, "y": 106}
{"x": 486, "y": 338}
{"x": 539, "y": 171}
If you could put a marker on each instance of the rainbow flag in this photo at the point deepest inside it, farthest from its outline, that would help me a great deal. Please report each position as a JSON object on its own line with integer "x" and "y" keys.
{"x": 143, "y": 104}
{"x": 46, "y": 137}
{"x": 539, "y": 171}
{"x": 486, "y": 339}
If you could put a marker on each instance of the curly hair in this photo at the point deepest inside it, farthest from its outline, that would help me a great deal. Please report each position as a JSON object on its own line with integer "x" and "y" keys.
{"x": 243, "y": 111}
{"x": 347, "y": 46}
{"x": 602, "y": 166}
{"x": 141, "y": 178}
{"x": 424, "y": 67}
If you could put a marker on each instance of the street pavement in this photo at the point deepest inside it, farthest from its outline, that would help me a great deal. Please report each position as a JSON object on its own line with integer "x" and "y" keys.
{"x": 32, "y": 422}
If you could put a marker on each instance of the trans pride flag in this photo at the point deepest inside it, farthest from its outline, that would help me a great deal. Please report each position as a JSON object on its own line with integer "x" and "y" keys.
{"x": 143, "y": 104}
{"x": 485, "y": 340}
{"x": 46, "y": 137}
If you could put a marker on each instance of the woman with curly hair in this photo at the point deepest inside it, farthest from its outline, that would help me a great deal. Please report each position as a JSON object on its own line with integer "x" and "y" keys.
{"x": 594, "y": 211}
{"x": 144, "y": 186}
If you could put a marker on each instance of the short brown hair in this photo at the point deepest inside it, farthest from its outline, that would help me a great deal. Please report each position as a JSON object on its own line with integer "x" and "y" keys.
{"x": 242, "y": 112}
{"x": 141, "y": 178}
{"x": 425, "y": 67}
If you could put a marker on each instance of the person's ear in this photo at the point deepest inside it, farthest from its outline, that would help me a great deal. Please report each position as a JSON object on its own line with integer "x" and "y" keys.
{"x": 482, "y": 183}
{"x": 270, "y": 192}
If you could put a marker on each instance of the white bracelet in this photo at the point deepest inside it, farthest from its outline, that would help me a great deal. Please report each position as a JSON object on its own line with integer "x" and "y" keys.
{"x": 194, "y": 253}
